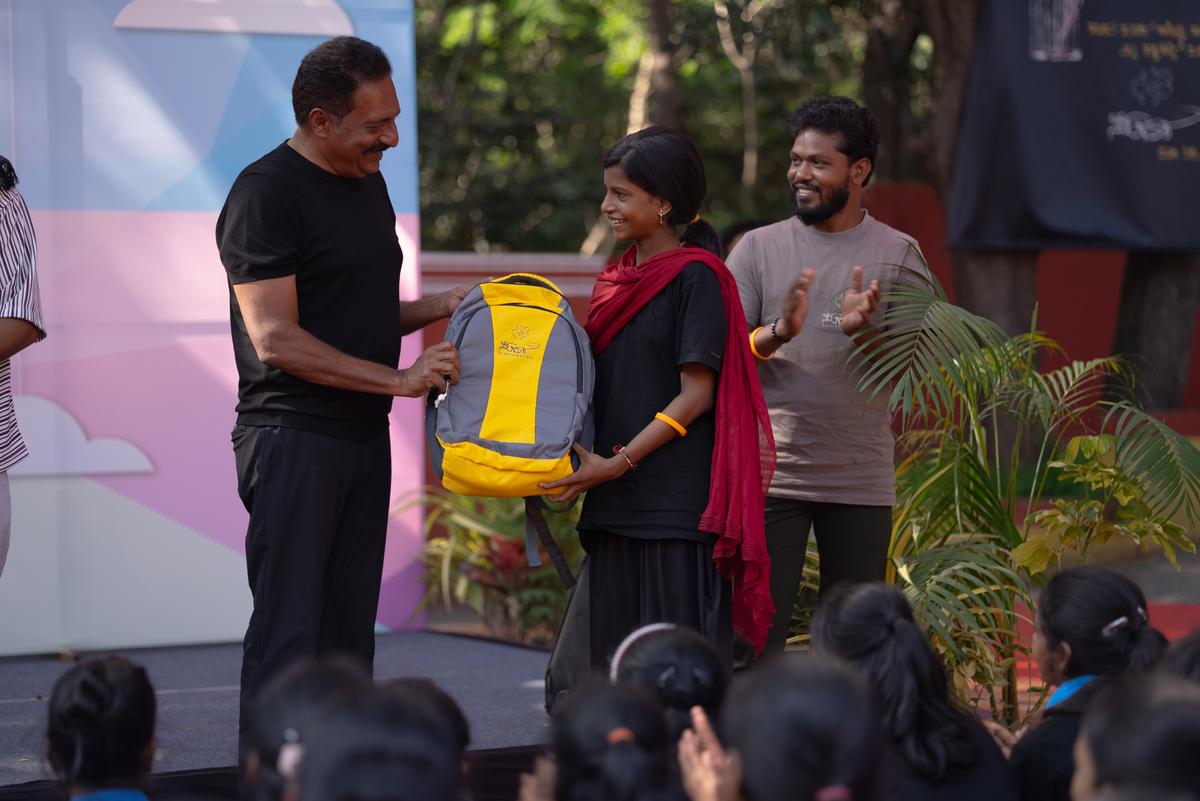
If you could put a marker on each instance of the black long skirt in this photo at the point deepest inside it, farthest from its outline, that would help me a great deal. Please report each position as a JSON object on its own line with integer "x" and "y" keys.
{"x": 634, "y": 582}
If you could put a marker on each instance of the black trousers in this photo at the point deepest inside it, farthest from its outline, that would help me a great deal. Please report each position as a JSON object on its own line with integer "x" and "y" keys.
{"x": 852, "y": 542}
{"x": 634, "y": 582}
{"x": 314, "y": 548}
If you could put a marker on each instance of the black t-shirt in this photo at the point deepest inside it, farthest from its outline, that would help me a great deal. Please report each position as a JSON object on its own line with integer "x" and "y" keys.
{"x": 287, "y": 216}
{"x": 638, "y": 375}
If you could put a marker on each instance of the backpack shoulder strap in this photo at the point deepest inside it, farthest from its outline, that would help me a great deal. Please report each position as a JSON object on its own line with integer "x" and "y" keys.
{"x": 536, "y": 529}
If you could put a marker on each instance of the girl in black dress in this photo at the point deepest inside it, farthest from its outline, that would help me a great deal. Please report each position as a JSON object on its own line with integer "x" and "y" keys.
{"x": 672, "y": 522}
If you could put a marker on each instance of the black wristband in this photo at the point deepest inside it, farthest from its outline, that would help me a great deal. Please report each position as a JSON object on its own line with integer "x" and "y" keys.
{"x": 774, "y": 333}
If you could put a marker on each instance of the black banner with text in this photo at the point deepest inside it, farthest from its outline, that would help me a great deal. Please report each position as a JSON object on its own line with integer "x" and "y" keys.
{"x": 1081, "y": 127}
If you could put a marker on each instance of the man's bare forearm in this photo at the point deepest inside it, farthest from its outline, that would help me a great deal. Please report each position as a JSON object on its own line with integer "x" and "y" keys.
{"x": 16, "y": 335}
{"x": 295, "y": 351}
{"x": 416, "y": 314}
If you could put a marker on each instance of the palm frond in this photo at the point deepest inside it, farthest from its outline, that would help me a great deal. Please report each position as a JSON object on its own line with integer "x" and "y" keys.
{"x": 1060, "y": 397}
{"x": 1166, "y": 461}
{"x": 966, "y": 593}
{"x": 946, "y": 489}
{"x": 927, "y": 352}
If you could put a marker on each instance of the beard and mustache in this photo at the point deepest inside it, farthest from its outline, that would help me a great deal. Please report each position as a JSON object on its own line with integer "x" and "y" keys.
{"x": 828, "y": 204}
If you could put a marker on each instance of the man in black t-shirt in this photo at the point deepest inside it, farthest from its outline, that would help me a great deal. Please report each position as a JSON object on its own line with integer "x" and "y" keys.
{"x": 308, "y": 240}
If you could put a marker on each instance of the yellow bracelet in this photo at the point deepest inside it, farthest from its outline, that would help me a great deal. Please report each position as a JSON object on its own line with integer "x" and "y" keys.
{"x": 680, "y": 430}
{"x": 753, "y": 349}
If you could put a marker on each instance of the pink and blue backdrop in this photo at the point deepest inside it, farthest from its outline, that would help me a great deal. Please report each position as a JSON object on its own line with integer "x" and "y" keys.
{"x": 127, "y": 121}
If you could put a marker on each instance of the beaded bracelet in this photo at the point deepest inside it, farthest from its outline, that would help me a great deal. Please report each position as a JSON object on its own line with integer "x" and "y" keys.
{"x": 621, "y": 450}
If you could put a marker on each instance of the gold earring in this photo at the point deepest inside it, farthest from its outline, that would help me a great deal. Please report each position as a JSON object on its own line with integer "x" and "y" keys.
{"x": 662, "y": 216}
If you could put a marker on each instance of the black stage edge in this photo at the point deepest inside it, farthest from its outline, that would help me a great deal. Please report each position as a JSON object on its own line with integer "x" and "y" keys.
{"x": 498, "y": 685}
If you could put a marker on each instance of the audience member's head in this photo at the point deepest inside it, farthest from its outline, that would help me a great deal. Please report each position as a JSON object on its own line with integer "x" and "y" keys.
{"x": 1183, "y": 658}
{"x": 1092, "y": 621}
{"x": 611, "y": 744}
{"x": 380, "y": 746}
{"x": 676, "y": 667}
{"x": 100, "y": 733}
{"x": 1143, "y": 732}
{"x": 804, "y": 730}
{"x": 872, "y": 627}
{"x": 732, "y": 234}
{"x": 286, "y": 714}
{"x": 421, "y": 689}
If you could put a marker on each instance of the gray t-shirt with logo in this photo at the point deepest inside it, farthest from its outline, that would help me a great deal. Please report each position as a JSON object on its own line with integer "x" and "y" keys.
{"x": 832, "y": 445}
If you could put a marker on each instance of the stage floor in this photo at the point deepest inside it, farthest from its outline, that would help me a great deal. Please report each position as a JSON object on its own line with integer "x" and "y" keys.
{"x": 499, "y": 686}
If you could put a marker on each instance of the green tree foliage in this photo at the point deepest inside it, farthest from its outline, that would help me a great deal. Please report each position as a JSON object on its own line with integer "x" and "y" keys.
{"x": 518, "y": 100}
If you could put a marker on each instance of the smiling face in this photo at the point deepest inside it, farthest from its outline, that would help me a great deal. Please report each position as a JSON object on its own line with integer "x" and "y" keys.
{"x": 632, "y": 212}
{"x": 821, "y": 177}
{"x": 354, "y": 145}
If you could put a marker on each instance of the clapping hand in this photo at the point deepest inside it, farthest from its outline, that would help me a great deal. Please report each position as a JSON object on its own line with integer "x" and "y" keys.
{"x": 710, "y": 773}
{"x": 857, "y": 303}
{"x": 795, "y": 306}
{"x": 539, "y": 785}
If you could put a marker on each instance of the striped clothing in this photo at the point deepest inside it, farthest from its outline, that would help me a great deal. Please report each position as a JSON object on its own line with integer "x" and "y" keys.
{"x": 19, "y": 299}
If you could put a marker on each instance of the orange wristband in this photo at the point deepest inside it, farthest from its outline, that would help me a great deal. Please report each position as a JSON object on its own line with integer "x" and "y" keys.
{"x": 753, "y": 349}
{"x": 680, "y": 430}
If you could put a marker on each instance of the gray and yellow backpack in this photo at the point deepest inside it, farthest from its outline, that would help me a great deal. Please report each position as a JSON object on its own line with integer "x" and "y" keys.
{"x": 522, "y": 399}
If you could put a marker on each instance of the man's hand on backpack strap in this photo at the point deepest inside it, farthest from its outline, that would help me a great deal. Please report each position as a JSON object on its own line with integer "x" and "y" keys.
{"x": 433, "y": 368}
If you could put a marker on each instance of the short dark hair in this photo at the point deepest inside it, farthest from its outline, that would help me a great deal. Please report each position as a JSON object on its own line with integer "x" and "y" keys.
{"x": 331, "y": 71}
{"x": 802, "y": 725}
{"x": 379, "y": 746}
{"x": 422, "y": 690}
{"x": 1163, "y": 715}
{"x": 101, "y": 721}
{"x": 855, "y": 126}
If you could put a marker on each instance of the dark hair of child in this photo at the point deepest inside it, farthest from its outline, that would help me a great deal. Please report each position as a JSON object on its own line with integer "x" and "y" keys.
{"x": 1145, "y": 731}
{"x": 427, "y": 691}
{"x": 380, "y": 746}
{"x": 805, "y": 730}
{"x": 286, "y": 714}
{"x": 872, "y": 627}
{"x": 100, "y": 733}
{"x": 1101, "y": 614}
{"x": 679, "y": 669}
{"x": 611, "y": 744}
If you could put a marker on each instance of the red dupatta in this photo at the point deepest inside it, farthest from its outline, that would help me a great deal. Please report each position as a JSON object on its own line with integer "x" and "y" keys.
{"x": 744, "y": 449}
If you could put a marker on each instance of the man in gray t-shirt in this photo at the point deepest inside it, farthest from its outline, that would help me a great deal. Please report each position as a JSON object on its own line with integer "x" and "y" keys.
{"x": 835, "y": 471}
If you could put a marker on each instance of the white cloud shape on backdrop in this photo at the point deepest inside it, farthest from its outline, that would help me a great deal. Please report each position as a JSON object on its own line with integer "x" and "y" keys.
{"x": 295, "y": 17}
{"x": 58, "y": 445}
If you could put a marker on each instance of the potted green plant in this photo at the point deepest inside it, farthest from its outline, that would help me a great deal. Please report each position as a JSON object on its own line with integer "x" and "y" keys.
{"x": 985, "y": 433}
{"x": 474, "y": 556}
